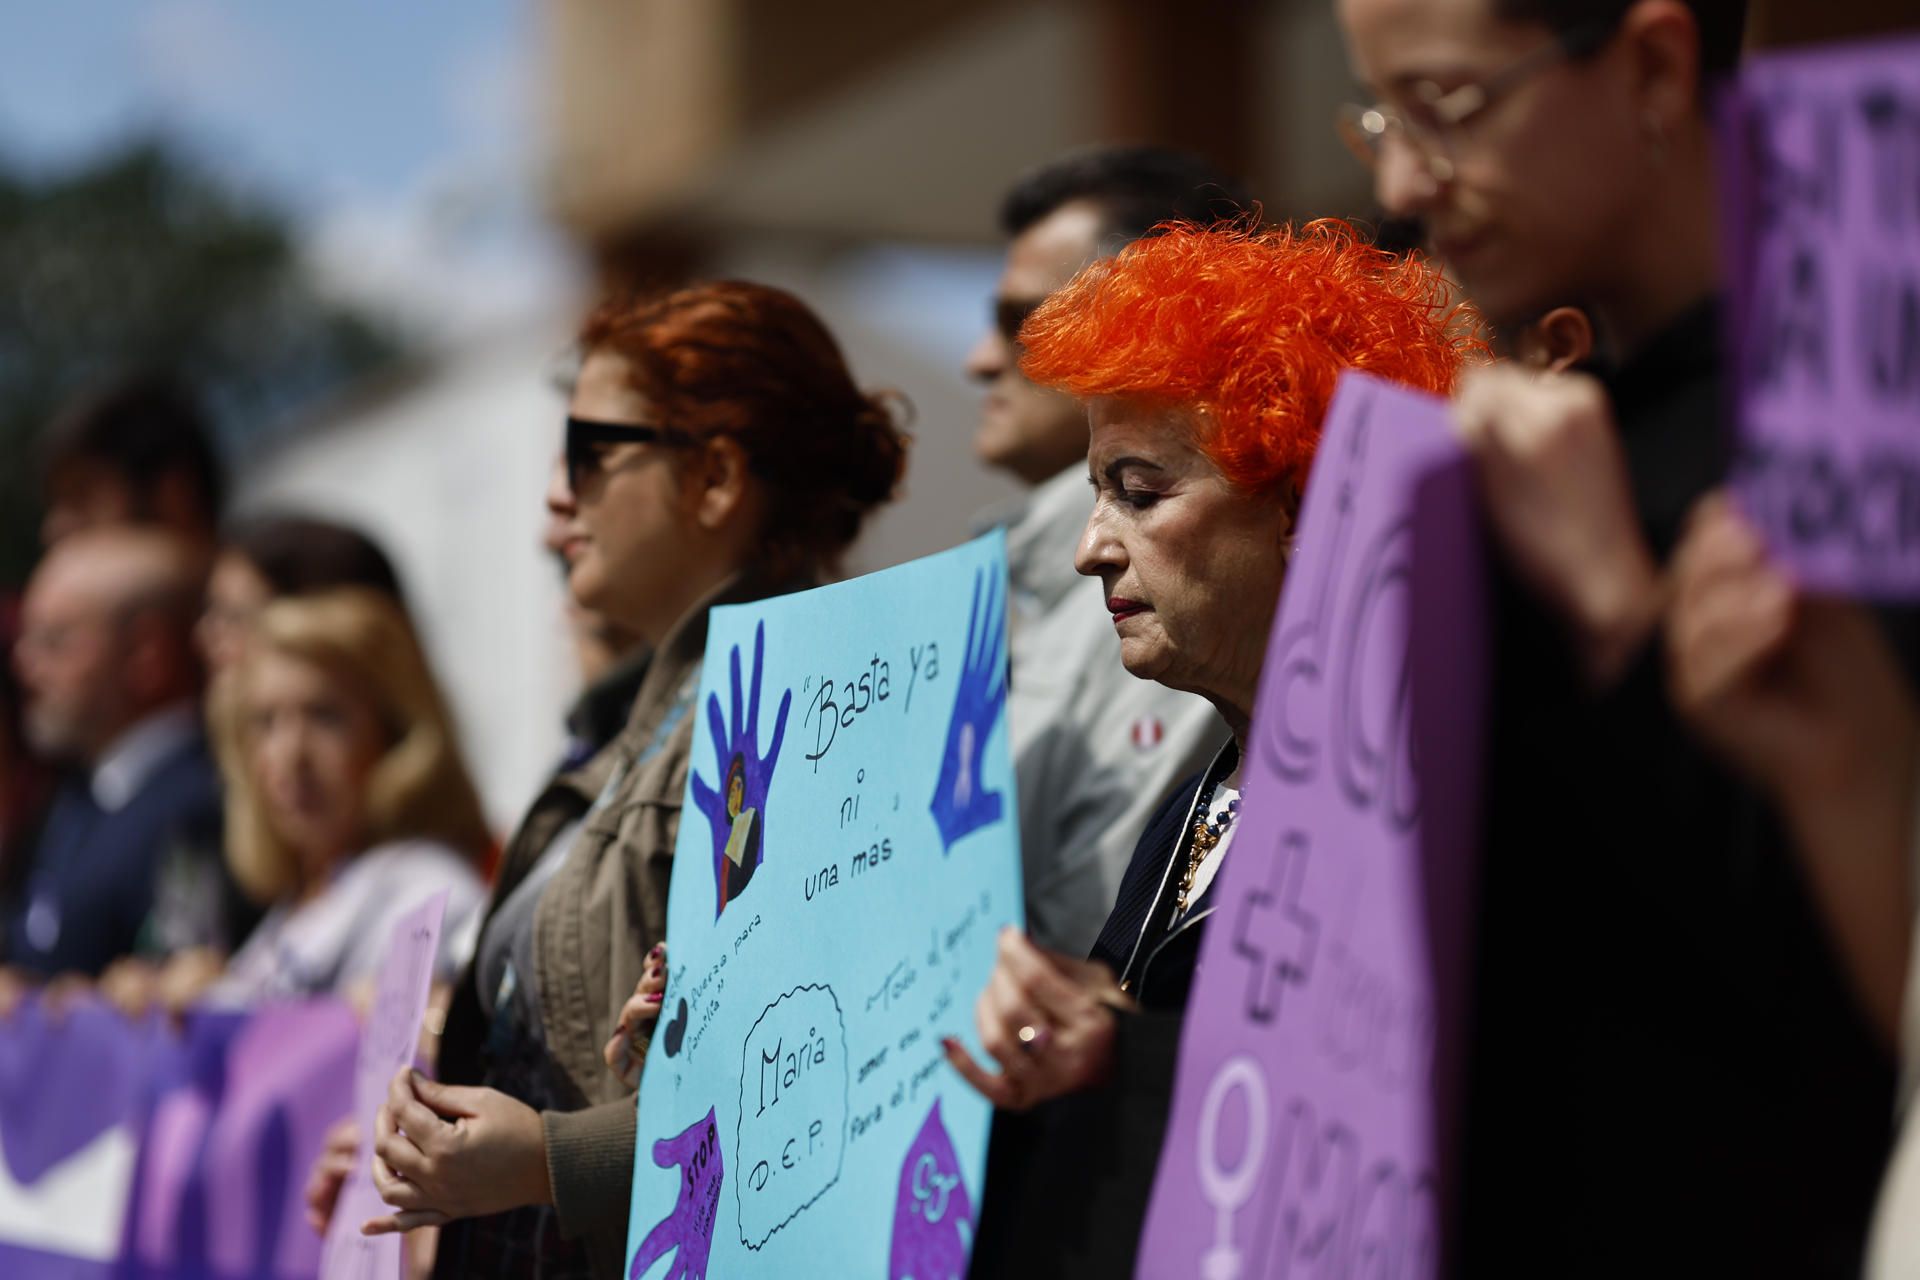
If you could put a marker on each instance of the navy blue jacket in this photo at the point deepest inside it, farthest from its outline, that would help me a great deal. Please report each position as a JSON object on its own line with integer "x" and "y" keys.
{"x": 91, "y": 891}
{"x": 1067, "y": 1183}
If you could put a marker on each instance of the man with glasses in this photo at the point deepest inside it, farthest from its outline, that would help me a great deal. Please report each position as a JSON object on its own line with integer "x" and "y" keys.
{"x": 1668, "y": 1074}
{"x": 1094, "y": 749}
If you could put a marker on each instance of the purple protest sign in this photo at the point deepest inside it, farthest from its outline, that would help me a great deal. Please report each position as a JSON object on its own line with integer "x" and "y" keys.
{"x": 72, "y": 1089}
{"x": 1312, "y": 1112}
{"x": 389, "y": 1042}
{"x": 130, "y": 1151}
{"x": 1821, "y": 195}
{"x": 240, "y": 1114}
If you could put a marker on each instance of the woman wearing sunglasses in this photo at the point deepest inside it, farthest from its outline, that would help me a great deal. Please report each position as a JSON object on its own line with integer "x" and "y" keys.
{"x": 717, "y": 451}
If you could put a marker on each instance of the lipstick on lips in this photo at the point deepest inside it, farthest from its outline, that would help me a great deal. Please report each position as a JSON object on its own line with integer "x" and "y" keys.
{"x": 1122, "y": 608}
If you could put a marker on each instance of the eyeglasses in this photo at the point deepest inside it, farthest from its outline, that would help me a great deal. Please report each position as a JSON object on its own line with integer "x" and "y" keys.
{"x": 586, "y": 439}
{"x": 1433, "y": 122}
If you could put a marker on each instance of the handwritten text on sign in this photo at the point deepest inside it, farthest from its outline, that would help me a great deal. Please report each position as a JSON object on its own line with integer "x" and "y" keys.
{"x": 1309, "y": 1117}
{"x": 1822, "y": 196}
{"x": 847, "y": 855}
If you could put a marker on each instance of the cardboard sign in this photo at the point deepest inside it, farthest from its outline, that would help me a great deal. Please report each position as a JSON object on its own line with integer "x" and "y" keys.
{"x": 1821, "y": 185}
{"x": 390, "y": 1041}
{"x": 1310, "y": 1124}
{"x": 847, "y": 853}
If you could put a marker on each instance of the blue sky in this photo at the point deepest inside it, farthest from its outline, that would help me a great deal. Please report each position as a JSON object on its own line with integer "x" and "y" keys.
{"x": 401, "y": 136}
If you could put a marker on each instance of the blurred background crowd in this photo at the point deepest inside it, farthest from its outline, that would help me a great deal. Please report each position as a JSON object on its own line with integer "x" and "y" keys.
{"x": 356, "y": 239}
{"x": 288, "y": 299}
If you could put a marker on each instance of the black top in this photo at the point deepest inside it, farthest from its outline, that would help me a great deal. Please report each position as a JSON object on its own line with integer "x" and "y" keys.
{"x": 602, "y": 709}
{"x": 1153, "y": 958}
{"x": 1668, "y": 1073}
{"x": 1068, "y": 1182}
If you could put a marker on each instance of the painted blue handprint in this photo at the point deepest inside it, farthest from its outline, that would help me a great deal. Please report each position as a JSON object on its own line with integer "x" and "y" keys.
{"x": 962, "y": 803}
{"x": 737, "y": 811}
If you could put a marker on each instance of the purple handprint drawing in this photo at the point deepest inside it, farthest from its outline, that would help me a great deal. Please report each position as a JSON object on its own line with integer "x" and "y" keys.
{"x": 737, "y": 811}
{"x": 687, "y": 1230}
{"x": 932, "y": 1215}
{"x": 66, "y": 1082}
{"x": 962, "y": 804}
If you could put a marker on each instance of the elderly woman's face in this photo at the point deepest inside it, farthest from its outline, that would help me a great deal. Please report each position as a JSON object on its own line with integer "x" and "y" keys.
{"x": 1191, "y": 565}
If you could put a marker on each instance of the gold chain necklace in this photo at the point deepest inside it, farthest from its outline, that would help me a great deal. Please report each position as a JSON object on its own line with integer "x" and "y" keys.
{"x": 1204, "y": 839}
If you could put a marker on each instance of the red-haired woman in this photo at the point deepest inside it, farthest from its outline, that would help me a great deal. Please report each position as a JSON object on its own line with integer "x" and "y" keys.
{"x": 718, "y": 451}
{"x": 1207, "y": 359}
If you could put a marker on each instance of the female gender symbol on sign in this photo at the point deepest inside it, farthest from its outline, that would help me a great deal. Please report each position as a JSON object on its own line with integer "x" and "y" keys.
{"x": 1228, "y": 1190}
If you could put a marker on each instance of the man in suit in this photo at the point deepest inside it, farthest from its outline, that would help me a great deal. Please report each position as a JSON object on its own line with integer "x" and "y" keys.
{"x": 111, "y": 687}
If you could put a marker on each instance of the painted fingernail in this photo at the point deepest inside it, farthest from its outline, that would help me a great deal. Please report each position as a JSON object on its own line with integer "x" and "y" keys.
{"x": 657, "y": 949}
{"x": 656, "y": 997}
{"x": 949, "y": 1044}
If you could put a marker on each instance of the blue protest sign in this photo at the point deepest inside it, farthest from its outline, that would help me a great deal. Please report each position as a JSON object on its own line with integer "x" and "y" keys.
{"x": 847, "y": 853}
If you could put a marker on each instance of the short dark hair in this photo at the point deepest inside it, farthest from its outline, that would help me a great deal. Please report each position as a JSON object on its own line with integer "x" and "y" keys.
{"x": 1722, "y": 23}
{"x": 142, "y": 427}
{"x": 1135, "y": 187}
{"x": 302, "y": 555}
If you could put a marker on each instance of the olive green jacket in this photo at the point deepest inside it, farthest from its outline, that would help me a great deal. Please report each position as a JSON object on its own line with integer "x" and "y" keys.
{"x": 595, "y": 922}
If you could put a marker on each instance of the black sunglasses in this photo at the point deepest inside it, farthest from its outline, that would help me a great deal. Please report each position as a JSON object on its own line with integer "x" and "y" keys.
{"x": 1010, "y": 313}
{"x": 586, "y": 438}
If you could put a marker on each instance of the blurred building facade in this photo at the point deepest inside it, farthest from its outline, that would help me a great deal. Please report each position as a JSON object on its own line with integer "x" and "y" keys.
{"x": 853, "y": 151}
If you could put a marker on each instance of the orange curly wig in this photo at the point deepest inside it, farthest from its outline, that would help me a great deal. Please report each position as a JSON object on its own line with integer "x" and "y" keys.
{"x": 1253, "y": 328}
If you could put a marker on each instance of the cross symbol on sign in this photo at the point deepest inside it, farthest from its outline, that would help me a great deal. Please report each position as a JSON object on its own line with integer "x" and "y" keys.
{"x": 1280, "y": 927}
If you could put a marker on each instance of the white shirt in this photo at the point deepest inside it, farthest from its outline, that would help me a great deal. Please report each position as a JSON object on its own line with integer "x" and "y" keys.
{"x": 138, "y": 752}
{"x": 1893, "y": 1246}
{"x": 338, "y": 938}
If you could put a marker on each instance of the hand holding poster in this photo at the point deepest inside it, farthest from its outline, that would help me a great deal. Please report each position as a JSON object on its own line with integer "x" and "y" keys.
{"x": 1821, "y": 187}
{"x": 1309, "y": 1126}
{"x": 389, "y": 1041}
{"x": 846, "y": 857}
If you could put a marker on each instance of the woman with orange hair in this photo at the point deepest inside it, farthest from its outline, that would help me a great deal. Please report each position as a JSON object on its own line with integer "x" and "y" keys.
{"x": 1207, "y": 359}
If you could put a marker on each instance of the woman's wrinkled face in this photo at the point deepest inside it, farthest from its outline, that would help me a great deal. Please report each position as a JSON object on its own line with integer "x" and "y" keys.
{"x": 313, "y": 740}
{"x": 622, "y": 533}
{"x": 1191, "y": 565}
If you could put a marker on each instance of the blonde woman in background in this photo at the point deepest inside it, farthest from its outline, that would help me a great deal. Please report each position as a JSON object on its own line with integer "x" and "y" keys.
{"x": 348, "y": 803}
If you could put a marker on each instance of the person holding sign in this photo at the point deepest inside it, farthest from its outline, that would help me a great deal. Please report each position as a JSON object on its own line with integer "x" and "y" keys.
{"x": 1663, "y": 1044}
{"x": 1804, "y": 696}
{"x": 718, "y": 451}
{"x": 1207, "y": 358}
